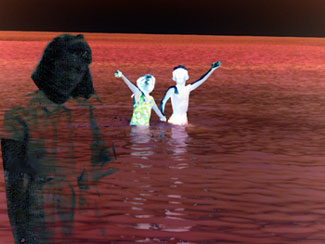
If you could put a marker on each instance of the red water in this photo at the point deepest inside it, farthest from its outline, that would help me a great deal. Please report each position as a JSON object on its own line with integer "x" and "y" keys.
{"x": 250, "y": 167}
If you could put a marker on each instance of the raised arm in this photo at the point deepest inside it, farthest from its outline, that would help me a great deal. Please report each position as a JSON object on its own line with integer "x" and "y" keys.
{"x": 165, "y": 99}
{"x": 199, "y": 82}
{"x": 132, "y": 87}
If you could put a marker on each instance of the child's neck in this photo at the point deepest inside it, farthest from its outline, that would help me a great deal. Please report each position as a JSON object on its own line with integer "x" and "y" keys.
{"x": 146, "y": 94}
{"x": 180, "y": 85}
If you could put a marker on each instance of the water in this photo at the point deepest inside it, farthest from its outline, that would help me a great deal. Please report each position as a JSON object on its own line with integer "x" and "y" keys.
{"x": 248, "y": 169}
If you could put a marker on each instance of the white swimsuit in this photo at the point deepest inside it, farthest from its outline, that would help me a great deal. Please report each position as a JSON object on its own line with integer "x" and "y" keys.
{"x": 178, "y": 119}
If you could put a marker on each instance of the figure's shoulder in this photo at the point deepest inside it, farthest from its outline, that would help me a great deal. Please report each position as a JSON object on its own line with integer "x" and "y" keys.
{"x": 151, "y": 99}
{"x": 93, "y": 101}
{"x": 172, "y": 89}
{"x": 37, "y": 93}
{"x": 14, "y": 112}
{"x": 18, "y": 116}
{"x": 20, "y": 105}
{"x": 34, "y": 98}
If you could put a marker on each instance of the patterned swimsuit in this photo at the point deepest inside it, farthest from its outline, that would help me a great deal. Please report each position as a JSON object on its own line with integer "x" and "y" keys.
{"x": 142, "y": 111}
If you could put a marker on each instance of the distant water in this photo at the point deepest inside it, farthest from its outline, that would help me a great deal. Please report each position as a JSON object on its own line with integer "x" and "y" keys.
{"x": 250, "y": 166}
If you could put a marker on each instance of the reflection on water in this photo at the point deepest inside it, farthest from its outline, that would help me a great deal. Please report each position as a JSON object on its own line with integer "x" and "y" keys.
{"x": 143, "y": 139}
{"x": 140, "y": 141}
{"x": 178, "y": 140}
{"x": 176, "y": 212}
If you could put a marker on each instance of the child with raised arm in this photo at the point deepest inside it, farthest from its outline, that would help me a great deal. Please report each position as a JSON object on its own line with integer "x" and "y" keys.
{"x": 142, "y": 101}
{"x": 180, "y": 93}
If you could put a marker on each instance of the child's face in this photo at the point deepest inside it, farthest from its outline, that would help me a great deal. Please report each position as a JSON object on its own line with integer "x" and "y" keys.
{"x": 146, "y": 83}
{"x": 180, "y": 75}
{"x": 147, "y": 87}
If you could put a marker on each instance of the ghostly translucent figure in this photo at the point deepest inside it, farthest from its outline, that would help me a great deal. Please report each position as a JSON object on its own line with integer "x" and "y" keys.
{"x": 51, "y": 167}
{"x": 142, "y": 101}
{"x": 180, "y": 93}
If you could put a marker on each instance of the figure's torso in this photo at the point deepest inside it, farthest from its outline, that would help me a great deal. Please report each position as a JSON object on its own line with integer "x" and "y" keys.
{"x": 50, "y": 133}
{"x": 180, "y": 101}
{"x": 142, "y": 110}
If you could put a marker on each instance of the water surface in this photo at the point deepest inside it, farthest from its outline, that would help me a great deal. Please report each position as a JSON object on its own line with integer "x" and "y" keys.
{"x": 248, "y": 169}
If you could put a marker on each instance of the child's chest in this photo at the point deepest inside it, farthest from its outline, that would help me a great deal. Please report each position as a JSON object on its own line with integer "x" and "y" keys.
{"x": 181, "y": 93}
{"x": 143, "y": 101}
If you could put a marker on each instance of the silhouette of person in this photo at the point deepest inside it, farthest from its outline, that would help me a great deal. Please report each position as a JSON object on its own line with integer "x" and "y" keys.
{"x": 52, "y": 149}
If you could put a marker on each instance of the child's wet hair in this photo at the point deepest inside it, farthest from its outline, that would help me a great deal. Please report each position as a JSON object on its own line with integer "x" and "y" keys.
{"x": 180, "y": 67}
{"x": 147, "y": 78}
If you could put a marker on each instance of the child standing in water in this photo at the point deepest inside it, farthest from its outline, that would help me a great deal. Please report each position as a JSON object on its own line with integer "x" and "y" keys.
{"x": 142, "y": 101}
{"x": 180, "y": 93}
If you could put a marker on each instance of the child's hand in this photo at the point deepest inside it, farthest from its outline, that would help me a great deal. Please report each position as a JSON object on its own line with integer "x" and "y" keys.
{"x": 163, "y": 119}
{"x": 216, "y": 65}
{"x": 118, "y": 74}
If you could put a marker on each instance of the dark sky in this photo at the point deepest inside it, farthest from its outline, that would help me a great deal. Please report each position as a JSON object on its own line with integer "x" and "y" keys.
{"x": 227, "y": 17}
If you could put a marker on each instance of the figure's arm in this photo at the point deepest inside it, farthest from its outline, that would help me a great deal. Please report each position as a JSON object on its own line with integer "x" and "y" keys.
{"x": 101, "y": 154}
{"x": 132, "y": 87}
{"x": 163, "y": 102}
{"x": 99, "y": 165}
{"x": 14, "y": 163}
{"x": 156, "y": 109}
{"x": 199, "y": 82}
